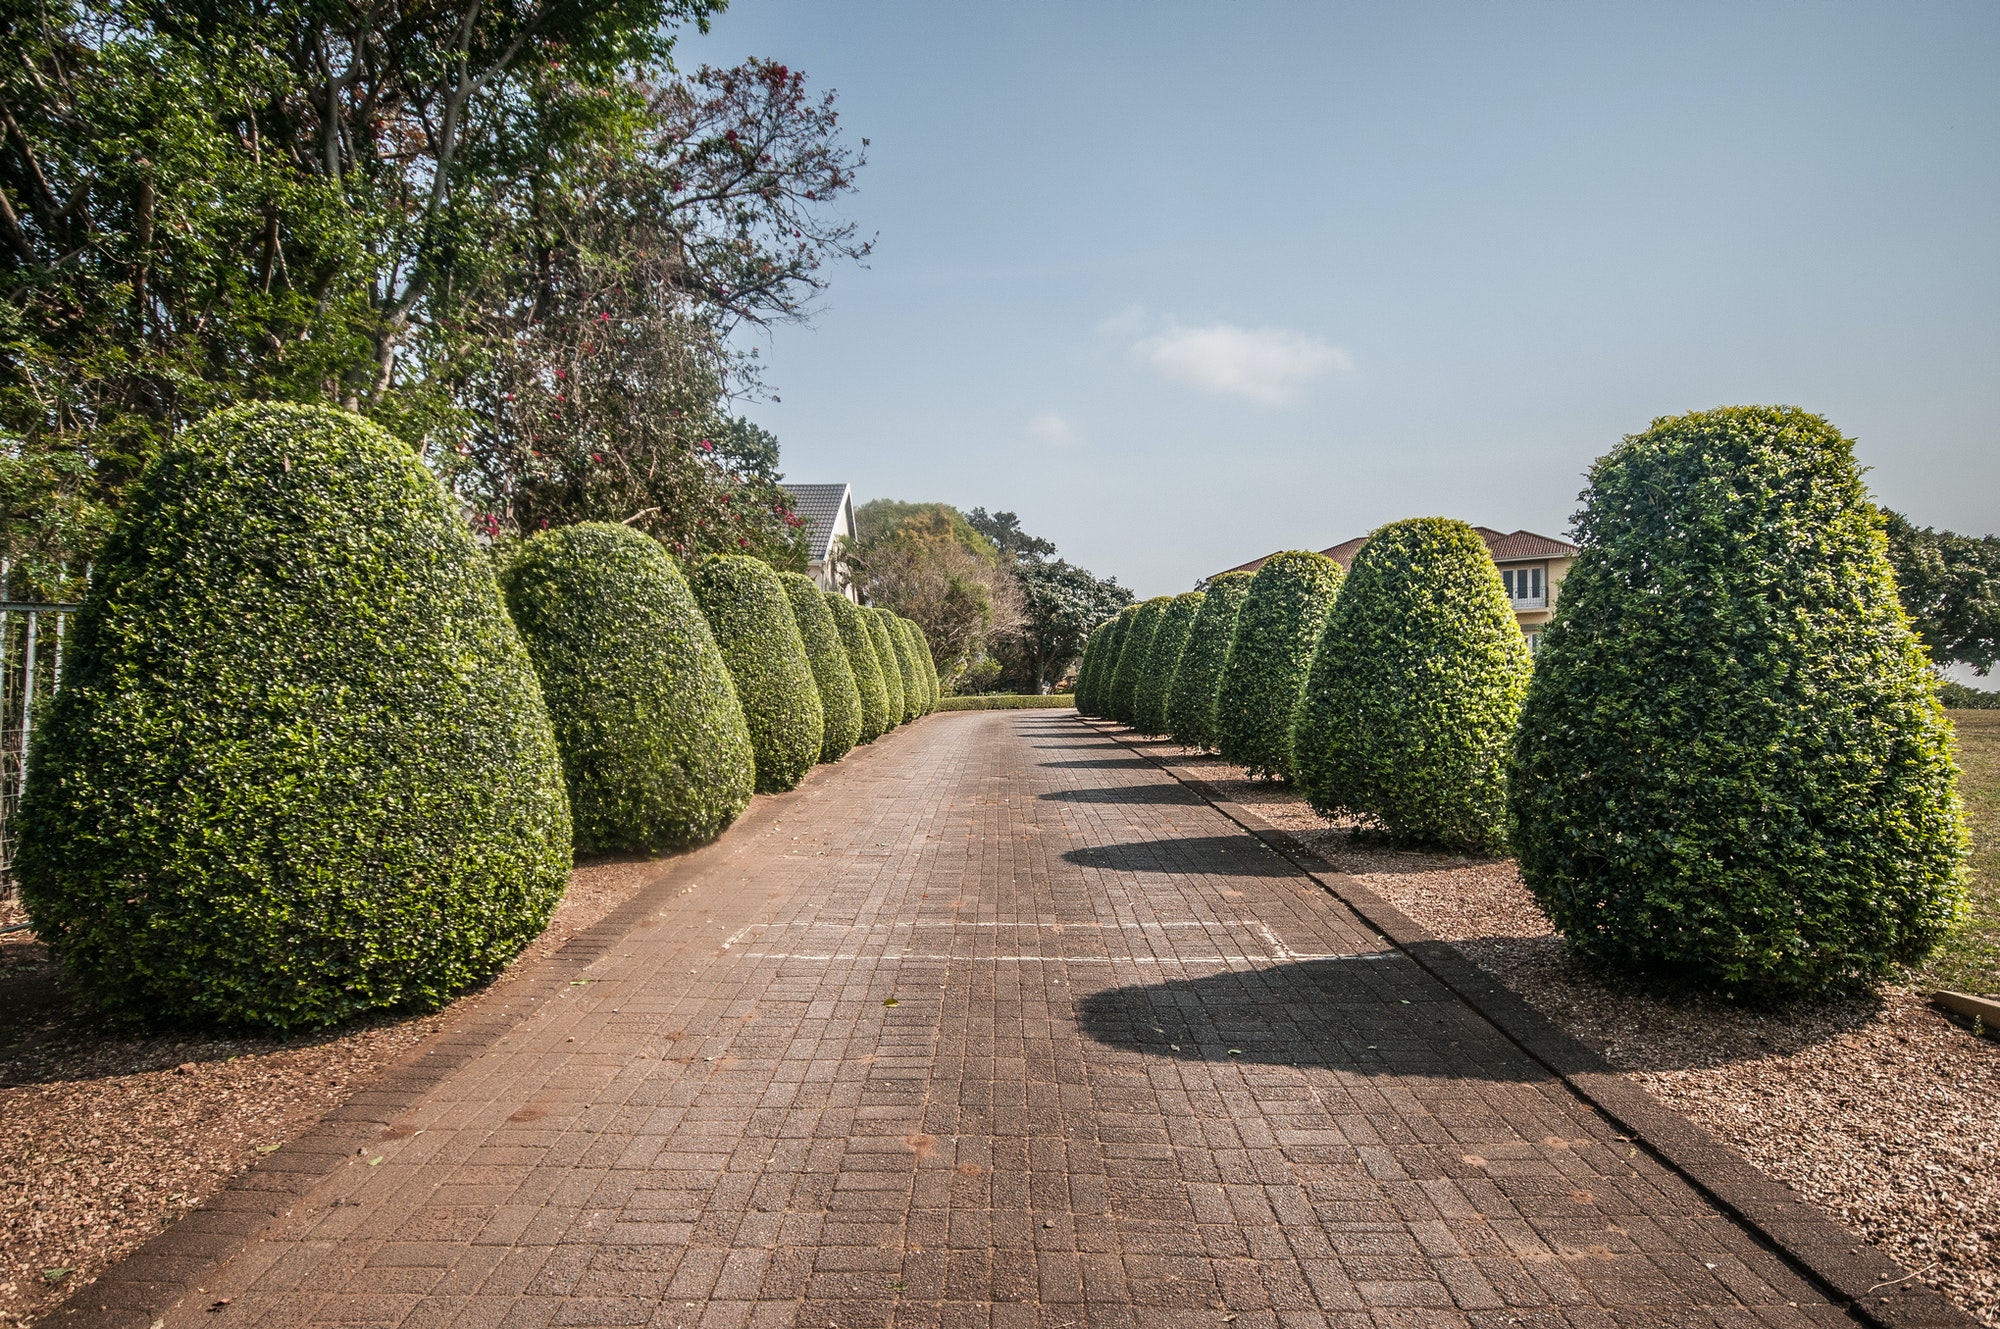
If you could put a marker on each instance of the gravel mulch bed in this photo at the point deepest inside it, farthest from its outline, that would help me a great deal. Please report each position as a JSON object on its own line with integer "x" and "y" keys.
{"x": 1879, "y": 1109}
{"x": 108, "y": 1134}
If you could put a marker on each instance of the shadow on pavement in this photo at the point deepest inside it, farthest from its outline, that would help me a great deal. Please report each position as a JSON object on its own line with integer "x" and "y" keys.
{"x": 1214, "y": 855}
{"x": 1369, "y": 1016}
{"x": 1131, "y": 793}
{"x": 1097, "y": 764}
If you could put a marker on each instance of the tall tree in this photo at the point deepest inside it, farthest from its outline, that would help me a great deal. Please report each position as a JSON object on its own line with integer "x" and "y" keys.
{"x": 1949, "y": 584}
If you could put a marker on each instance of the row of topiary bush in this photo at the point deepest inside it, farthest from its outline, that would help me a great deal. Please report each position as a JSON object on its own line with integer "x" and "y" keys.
{"x": 313, "y": 758}
{"x": 1728, "y": 763}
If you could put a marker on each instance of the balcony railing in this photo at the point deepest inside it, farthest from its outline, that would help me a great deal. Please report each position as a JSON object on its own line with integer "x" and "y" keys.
{"x": 1530, "y": 602}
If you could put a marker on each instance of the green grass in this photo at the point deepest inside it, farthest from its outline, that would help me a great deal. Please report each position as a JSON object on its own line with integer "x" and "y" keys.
{"x": 1004, "y": 701}
{"x": 1969, "y": 960}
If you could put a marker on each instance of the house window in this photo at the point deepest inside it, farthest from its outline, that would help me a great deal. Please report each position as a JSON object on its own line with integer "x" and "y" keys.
{"x": 1525, "y": 586}
{"x": 1534, "y": 642}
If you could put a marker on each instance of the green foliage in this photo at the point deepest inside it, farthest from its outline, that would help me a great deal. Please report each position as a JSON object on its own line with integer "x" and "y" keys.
{"x": 865, "y": 665}
{"x": 839, "y": 695}
{"x": 751, "y": 617}
{"x": 896, "y": 700}
{"x": 1009, "y": 701}
{"x": 927, "y": 665}
{"x": 1950, "y": 586}
{"x": 925, "y": 562}
{"x": 1093, "y": 660}
{"x": 1123, "y": 701}
{"x": 1958, "y": 697}
{"x": 1732, "y": 767}
{"x": 1107, "y": 668}
{"x": 1411, "y": 701}
{"x": 300, "y": 769}
{"x": 1163, "y": 659}
{"x": 906, "y": 665}
{"x": 1191, "y": 699}
{"x": 654, "y": 747}
{"x": 1278, "y": 626}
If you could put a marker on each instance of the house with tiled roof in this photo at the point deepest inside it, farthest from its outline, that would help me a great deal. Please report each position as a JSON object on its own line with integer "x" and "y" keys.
{"x": 1531, "y": 566}
{"x": 828, "y": 512}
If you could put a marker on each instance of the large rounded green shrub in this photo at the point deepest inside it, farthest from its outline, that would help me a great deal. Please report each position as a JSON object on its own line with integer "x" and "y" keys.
{"x": 927, "y": 664}
{"x": 906, "y": 664}
{"x": 839, "y": 696}
{"x": 751, "y": 617}
{"x": 654, "y": 747}
{"x": 885, "y": 660}
{"x": 300, "y": 769}
{"x": 1410, "y": 706}
{"x": 1277, "y": 626}
{"x": 864, "y": 664}
{"x": 1086, "y": 671}
{"x": 1732, "y": 767}
{"x": 1107, "y": 664}
{"x": 1156, "y": 678}
{"x": 1191, "y": 698}
{"x": 1123, "y": 703}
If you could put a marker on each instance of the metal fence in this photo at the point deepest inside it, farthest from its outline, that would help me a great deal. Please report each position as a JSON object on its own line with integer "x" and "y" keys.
{"x": 31, "y": 647}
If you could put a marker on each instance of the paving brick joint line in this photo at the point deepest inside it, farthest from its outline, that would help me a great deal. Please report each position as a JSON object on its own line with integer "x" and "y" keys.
{"x": 994, "y": 1024}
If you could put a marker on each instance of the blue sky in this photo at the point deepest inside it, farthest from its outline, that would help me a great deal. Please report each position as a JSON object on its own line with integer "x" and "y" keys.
{"x": 1183, "y": 284}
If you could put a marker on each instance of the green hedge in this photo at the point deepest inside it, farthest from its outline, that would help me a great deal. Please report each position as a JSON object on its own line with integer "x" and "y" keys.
{"x": 301, "y": 769}
{"x": 1008, "y": 701}
{"x": 1123, "y": 701}
{"x": 914, "y": 681}
{"x": 1959, "y": 697}
{"x": 885, "y": 660}
{"x": 1413, "y": 694}
{"x": 1277, "y": 627}
{"x": 839, "y": 696}
{"x": 1163, "y": 659}
{"x": 1114, "y": 651}
{"x": 905, "y": 665}
{"x": 654, "y": 747}
{"x": 1732, "y": 767}
{"x": 751, "y": 617}
{"x": 1191, "y": 699}
{"x": 865, "y": 665}
{"x": 933, "y": 688}
{"x": 1093, "y": 659}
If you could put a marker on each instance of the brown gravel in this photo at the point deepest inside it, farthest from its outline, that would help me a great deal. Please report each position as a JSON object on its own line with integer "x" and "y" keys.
{"x": 107, "y": 1135}
{"x": 1878, "y": 1109}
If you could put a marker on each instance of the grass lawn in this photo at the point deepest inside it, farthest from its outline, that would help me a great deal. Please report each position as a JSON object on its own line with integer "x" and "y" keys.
{"x": 1969, "y": 961}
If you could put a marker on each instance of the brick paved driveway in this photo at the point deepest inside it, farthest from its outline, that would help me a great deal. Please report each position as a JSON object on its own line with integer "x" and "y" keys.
{"x": 995, "y": 1024}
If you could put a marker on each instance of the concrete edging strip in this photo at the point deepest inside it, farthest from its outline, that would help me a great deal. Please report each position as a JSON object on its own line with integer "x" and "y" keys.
{"x": 1861, "y": 1279}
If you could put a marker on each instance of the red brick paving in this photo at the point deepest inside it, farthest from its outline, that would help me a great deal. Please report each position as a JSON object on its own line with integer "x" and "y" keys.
{"x": 996, "y": 1025}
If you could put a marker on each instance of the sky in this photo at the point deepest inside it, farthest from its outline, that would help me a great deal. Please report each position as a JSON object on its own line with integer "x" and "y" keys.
{"x": 1184, "y": 284}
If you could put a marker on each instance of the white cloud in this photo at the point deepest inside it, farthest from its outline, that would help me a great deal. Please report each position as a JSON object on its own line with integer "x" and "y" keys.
{"x": 1266, "y": 365}
{"x": 1050, "y": 427}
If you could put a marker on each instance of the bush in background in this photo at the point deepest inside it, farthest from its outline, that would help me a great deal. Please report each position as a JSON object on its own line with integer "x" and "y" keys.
{"x": 864, "y": 664}
{"x": 1191, "y": 697}
{"x": 1009, "y": 701}
{"x": 1163, "y": 658}
{"x": 1732, "y": 767}
{"x": 885, "y": 660}
{"x": 839, "y": 695}
{"x": 300, "y": 769}
{"x": 1277, "y": 627}
{"x": 927, "y": 665}
{"x": 1959, "y": 697}
{"x": 1132, "y": 659}
{"x": 1107, "y": 669}
{"x": 1093, "y": 661}
{"x": 906, "y": 664}
{"x": 751, "y": 617}
{"x": 1414, "y": 691}
{"x": 654, "y": 748}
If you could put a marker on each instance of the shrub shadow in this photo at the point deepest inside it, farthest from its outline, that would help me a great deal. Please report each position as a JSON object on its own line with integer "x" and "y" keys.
{"x": 1212, "y": 855}
{"x": 1178, "y": 795}
{"x": 1097, "y": 764}
{"x": 1346, "y": 1015}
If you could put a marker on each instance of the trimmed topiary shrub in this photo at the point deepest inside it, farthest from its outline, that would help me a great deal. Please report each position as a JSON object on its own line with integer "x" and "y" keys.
{"x": 654, "y": 747}
{"x": 1732, "y": 768}
{"x": 1008, "y": 701}
{"x": 1191, "y": 699}
{"x": 839, "y": 697}
{"x": 751, "y": 617}
{"x": 885, "y": 659}
{"x": 1413, "y": 694}
{"x": 1124, "y": 698}
{"x": 1149, "y": 699}
{"x": 1086, "y": 672}
{"x": 1277, "y": 626}
{"x": 300, "y": 769}
{"x": 1114, "y": 651}
{"x": 866, "y": 667}
{"x": 933, "y": 688}
{"x": 906, "y": 665}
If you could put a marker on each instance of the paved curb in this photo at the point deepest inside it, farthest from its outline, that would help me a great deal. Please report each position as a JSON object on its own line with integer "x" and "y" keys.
{"x": 1857, "y": 1276}
{"x": 137, "y": 1291}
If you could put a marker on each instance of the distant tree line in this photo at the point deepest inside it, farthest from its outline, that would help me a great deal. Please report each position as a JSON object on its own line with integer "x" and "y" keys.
{"x": 1003, "y": 613}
